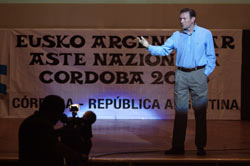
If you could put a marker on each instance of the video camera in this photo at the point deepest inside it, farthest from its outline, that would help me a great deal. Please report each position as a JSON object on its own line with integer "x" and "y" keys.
{"x": 77, "y": 131}
{"x": 88, "y": 118}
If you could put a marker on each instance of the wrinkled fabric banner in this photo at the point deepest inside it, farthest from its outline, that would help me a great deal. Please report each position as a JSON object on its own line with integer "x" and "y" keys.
{"x": 108, "y": 72}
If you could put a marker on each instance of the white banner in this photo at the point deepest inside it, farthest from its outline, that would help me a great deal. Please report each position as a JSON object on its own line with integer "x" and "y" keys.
{"x": 108, "y": 72}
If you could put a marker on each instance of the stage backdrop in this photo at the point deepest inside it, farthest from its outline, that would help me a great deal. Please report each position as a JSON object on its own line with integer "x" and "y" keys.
{"x": 108, "y": 72}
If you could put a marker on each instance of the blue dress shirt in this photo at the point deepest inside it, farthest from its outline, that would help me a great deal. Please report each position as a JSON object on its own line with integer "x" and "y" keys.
{"x": 192, "y": 50}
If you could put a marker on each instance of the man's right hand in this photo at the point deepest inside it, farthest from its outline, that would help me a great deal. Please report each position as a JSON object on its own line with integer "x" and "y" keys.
{"x": 143, "y": 41}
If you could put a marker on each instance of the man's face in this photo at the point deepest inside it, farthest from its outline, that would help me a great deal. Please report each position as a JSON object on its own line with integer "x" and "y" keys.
{"x": 186, "y": 21}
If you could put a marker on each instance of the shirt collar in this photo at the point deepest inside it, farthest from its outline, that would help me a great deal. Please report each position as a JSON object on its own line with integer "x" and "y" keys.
{"x": 195, "y": 28}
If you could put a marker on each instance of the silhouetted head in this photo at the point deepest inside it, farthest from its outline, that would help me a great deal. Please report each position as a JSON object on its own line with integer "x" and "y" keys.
{"x": 89, "y": 116}
{"x": 52, "y": 107}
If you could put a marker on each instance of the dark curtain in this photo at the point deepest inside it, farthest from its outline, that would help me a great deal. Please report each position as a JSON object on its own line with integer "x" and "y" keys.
{"x": 245, "y": 76}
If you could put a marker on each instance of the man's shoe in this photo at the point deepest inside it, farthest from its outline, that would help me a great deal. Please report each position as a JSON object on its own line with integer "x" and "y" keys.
{"x": 174, "y": 151}
{"x": 201, "y": 152}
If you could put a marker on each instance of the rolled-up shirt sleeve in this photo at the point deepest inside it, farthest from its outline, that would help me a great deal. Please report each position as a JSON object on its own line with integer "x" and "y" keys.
{"x": 162, "y": 50}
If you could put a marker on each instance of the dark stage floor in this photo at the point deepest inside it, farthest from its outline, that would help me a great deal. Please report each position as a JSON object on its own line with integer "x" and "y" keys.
{"x": 135, "y": 142}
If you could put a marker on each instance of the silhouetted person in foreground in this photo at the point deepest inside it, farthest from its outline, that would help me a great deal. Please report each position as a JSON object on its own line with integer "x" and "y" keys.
{"x": 38, "y": 140}
{"x": 77, "y": 133}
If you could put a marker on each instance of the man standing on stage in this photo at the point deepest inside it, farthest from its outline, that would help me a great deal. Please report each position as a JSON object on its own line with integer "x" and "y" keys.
{"x": 195, "y": 59}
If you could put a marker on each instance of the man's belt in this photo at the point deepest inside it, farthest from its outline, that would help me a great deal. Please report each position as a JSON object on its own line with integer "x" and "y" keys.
{"x": 191, "y": 69}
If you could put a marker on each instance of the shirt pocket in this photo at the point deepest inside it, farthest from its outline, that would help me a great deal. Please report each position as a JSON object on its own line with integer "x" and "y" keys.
{"x": 199, "y": 47}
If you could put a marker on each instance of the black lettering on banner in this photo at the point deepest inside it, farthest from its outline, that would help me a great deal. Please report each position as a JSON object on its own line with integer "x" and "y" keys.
{"x": 62, "y": 77}
{"x": 156, "y": 104}
{"x": 223, "y": 104}
{"x": 15, "y": 103}
{"x": 216, "y": 62}
{"x": 21, "y": 41}
{"x": 45, "y": 77}
{"x": 69, "y": 102}
{"x": 169, "y": 104}
{"x": 155, "y": 40}
{"x": 36, "y": 58}
{"x": 61, "y": 43}
{"x": 136, "y": 77}
{"x": 48, "y": 41}
{"x": 123, "y": 103}
{"x": 129, "y": 42}
{"x": 91, "y": 77}
{"x": 123, "y": 78}
{"x": 79, "y": 59}
{"x": 65, "y": 57}
{"x": 100, "y": 59}
{"x": 115, "y": 42}
{"x": 98, "y": 42}
{"x": 152, "y": 60}
{"x": 32, "y": 102}
{"x": 226, "y": 42}
{"x": 26, "y": 102}
{"x": 53, "y": 59}
{"x": 159, "y": 78}
{"x": 116, "y": 59}
{"x": 92, "y": 104}
{"x": 117, "y": 77}
{"x": 168, "y": 60}
{"x": 76, "y": 77}
{"x": 107, "y": 77}
{"x": 132, "y": 59}
{"x": 77, "y": 41}
{"x": 32, "y": 41}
